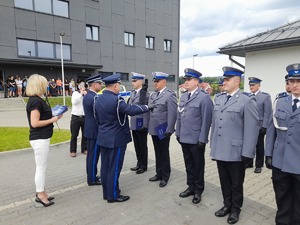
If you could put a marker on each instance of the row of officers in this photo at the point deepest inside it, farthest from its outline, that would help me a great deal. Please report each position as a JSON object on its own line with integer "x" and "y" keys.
{"x": 235, "y": 122}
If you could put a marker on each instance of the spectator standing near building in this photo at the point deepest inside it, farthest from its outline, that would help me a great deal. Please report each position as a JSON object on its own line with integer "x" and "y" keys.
{"x": 67, "y": 86}
{"x": 139, "y": 123}
{"x": 113, "y": 135}
{"x": 192, "y": 129}
{"x": 233, "y": 138}
{"x": 71, "y": 86}
{"x": 77, "y": 120}
{"x": 52, "y": 88}
{"x": 19, "y": 84}
{"x": 24, "y": 85}
{"x": 264, "y": 104}
{"x": 162, "y": 125}
{"x": 91, "y": 129}
{"x": 59, "y": 87}
{"x": 282, "y": 150}
{"x": 40, "y": 120}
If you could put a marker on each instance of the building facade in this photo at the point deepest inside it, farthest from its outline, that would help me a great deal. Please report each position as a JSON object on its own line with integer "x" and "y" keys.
{"x": 96, "y": 36}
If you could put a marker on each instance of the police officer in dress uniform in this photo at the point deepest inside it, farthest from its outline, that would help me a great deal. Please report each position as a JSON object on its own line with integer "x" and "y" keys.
{"x": 139, "y": 123}
{"x": 233, "y": 138}
{"x": 91, "y": 129}
{"x": 282, "y": 150}
{"x": 264, "y": 104}
{"x": 113, "y": 135}
{"x": 192, "y": 129}
{"x": 161, "y": 125}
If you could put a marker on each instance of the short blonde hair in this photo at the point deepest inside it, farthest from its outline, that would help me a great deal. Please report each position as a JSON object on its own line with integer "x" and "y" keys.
{"x": 37, "y": 85}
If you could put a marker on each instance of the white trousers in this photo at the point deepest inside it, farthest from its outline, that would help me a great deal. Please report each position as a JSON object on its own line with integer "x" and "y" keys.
{"x": 41, "y": 151}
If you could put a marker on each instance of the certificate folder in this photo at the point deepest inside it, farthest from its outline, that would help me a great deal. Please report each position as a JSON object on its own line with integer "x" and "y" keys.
{"x": 59, "y": 110}
{"x": 139, "y": 123}
{"x": 161, "y": 130}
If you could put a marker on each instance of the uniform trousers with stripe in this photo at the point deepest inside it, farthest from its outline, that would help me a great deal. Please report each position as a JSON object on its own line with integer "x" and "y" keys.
{"x": 111, "y": 165}
{"x": 92, "y": 160}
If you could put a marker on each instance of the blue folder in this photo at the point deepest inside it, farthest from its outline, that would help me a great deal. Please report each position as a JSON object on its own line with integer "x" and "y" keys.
{"x": 161, "y": 130}
{"x": 139, "y": 123}
{"x": 59, "y": 109}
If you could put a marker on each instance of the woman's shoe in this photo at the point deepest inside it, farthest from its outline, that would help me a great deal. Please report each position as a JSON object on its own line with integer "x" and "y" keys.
{"x": 49, "y": 198}
{"x": 38, "y": 200}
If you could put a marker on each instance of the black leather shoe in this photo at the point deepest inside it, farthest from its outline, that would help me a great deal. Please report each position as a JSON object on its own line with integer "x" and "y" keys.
{"x": 155, "y": 178}
{"x": 188, "y": 192}
{"x": 222, "y": 212}
{"x": 196, "y": 199}
{"x": 38, "y": 200}
{"x": 233, "y": 218}
{"x": 97, "y": 182}
{"x": 134, "y": 168}
{"x": 121, "y": 198}
{"x": 257, "y": 170}
{"x": 163, "y": 183}
{"x": 141, "y": 170}
{"x": 249, "y": 165}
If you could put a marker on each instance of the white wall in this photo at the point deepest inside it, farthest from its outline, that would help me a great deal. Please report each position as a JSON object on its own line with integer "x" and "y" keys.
{"x": 270, "y": 67}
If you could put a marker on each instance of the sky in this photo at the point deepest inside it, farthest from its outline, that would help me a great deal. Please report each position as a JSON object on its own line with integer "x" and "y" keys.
{"x": 207, "y": 25}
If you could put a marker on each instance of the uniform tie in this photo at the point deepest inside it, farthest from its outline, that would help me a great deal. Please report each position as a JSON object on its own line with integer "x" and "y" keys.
{"x": 157, "y": 94}
{"x": 294, "y": 107}
{"x": 189, "y": 96}
{"x": 227, "y": 98}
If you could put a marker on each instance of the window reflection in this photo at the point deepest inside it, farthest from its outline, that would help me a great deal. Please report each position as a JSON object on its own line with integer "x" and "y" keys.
{"x": 43, "y": 6}
{"x": 60, "y": 8}
{"x": 25, "y": 4}
{"x": 26, "y": 48}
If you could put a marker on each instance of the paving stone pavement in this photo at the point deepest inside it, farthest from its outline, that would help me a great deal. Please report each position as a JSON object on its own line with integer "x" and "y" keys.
{"x": 79, "y": 204}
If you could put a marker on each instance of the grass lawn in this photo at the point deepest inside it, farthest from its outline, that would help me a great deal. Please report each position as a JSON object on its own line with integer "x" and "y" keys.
{"x": 53, "y": 101}
{"x": 13, "y": 138}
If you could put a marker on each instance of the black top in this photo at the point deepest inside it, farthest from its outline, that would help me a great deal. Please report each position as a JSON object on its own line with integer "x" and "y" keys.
{"x": 38, "y": 103}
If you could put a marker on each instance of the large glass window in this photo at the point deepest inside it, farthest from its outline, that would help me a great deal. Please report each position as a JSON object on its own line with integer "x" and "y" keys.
{"x": 39, "y": 49}
{"x": 149, "y": 42}
{"x": 66, "y": 52}
{"x": 25, "y": 4}
{"x": 167, "y": 45}
{"x": 129, "y": 39}
{"x": 26, "y": 48}
{"x": 61, "y": 8}
{"x": 43, "y": 6}
{"x": 92, "y": 33}
{"x": 56, "y": 7}
{"x": 45, "y": 50}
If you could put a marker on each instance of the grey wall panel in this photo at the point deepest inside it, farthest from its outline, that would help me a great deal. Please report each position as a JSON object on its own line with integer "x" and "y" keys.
{"x": 130, "y": 65}
{"x": 159, "y": 61}
{"x": 78, "y": 37}
{"x": 92, "y": 4}
{"x": 105, "y": 41}
{"x": 8, "y": 33}
{"x": 130, "y": 53}
{"x": 150, "y": 4}
{"x": 105, "y": 13}
{"x": 159, "y": 12}
{"x": 92, "y": 16}
{"x": 118, "y": 57}
{"x": 8, "y": 52}
{"x": 26, "y": 34}
{"x": 140, "y": 34}
{"x": 24, "y": 19}
{"x": 129, "y": 17}
{"x": 107, "y": 63}
{"x": 168, "y": 29}
{"x": 7, "y": 3}
{"x": 77, "y": 10}
{"x": 150, "y": 21}
{"x": 93, "y": 49}
{"x": 140, "y": 9}
{"x": 118, "y": 29}
{"x": 140, "y": 59}
{"x": 44, "y": 27}
{"x": 159, "y": 34}
{"x": 80, "y": 58}
{"x": 117, "y": 7}
{"x": 62, "y": 25}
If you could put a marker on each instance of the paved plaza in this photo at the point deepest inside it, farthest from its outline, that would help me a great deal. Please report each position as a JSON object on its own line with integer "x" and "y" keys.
{"x": 79, "y": 204}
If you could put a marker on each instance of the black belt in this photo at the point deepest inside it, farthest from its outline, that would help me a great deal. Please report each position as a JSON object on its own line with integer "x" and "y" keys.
{"x": 78, "y": 116}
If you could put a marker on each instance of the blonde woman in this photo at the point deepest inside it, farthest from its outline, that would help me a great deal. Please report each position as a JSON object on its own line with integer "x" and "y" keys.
{"x": 40, "y": 120}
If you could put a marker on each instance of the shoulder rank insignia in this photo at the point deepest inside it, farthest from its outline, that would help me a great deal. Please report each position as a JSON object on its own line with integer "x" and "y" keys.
{"x": 281, "y": 95}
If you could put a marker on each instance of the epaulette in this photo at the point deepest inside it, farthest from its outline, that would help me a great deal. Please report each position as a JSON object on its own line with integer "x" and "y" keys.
{"x": 265, "y": 93}
{"x": 170, "y": 91}
{"x": 246, "y": 93}
{"x": 219, "y": 94}
{"x": 205, "y": 92}
{"x": 281, "y": 95}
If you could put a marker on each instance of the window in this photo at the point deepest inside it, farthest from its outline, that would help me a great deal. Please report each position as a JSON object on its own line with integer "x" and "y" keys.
{"x": 39, "y": 49}
{"x": 171, "y": 78}
{"x": 149, "y": 42}
{"x": 66, "y": 51}
{"x": 61, "y": 8}
{"x": 56, "y": 7}
{"x": 92, "y": 33}
{"x": 26, "y": 48}
{"x": 43, "y": 6}
{"x": 25, "y": 4}
{"x": 167, "y": 45}
{"x": 129, "y": 39}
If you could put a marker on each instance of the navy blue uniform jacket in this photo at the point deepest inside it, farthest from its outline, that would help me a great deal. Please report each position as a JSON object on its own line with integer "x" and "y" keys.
{"x": 113, "y": 131}
{"x": 90, "y": 125}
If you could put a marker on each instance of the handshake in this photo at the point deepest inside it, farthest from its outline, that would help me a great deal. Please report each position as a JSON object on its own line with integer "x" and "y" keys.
{"x": 151, "y": 107}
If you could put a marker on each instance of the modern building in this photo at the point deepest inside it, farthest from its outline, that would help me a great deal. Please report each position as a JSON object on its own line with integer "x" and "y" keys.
{"x": 96, "y": 36}
{"x": 267, "y": 54}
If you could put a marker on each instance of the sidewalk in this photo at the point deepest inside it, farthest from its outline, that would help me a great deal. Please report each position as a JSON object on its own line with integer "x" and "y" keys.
{"x": 79, "y": 204}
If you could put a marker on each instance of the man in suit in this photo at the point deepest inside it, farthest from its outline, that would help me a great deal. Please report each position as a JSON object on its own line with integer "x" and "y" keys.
{"x": 91, "y": 129}
{"x": 282, "y": 150}
{"x": 233, "y": 138}
{"x": 192, "y": 129}
{"x": 113, "y": 135}
{"x": 139, "y": 123}
{"x": 264, "y": 104}
{"x": 163, "y": 104}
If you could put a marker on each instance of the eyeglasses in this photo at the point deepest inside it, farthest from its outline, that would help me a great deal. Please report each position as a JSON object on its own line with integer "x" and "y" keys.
{"x": 133, "y": 81}
{"x": 156, "y": 81}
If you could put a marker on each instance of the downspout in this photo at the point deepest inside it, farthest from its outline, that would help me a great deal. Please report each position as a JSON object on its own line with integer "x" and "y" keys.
{"x": 236, "y": 62}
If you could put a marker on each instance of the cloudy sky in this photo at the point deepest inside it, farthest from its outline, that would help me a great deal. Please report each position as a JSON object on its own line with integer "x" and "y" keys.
{"x": 207, "y": 25}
